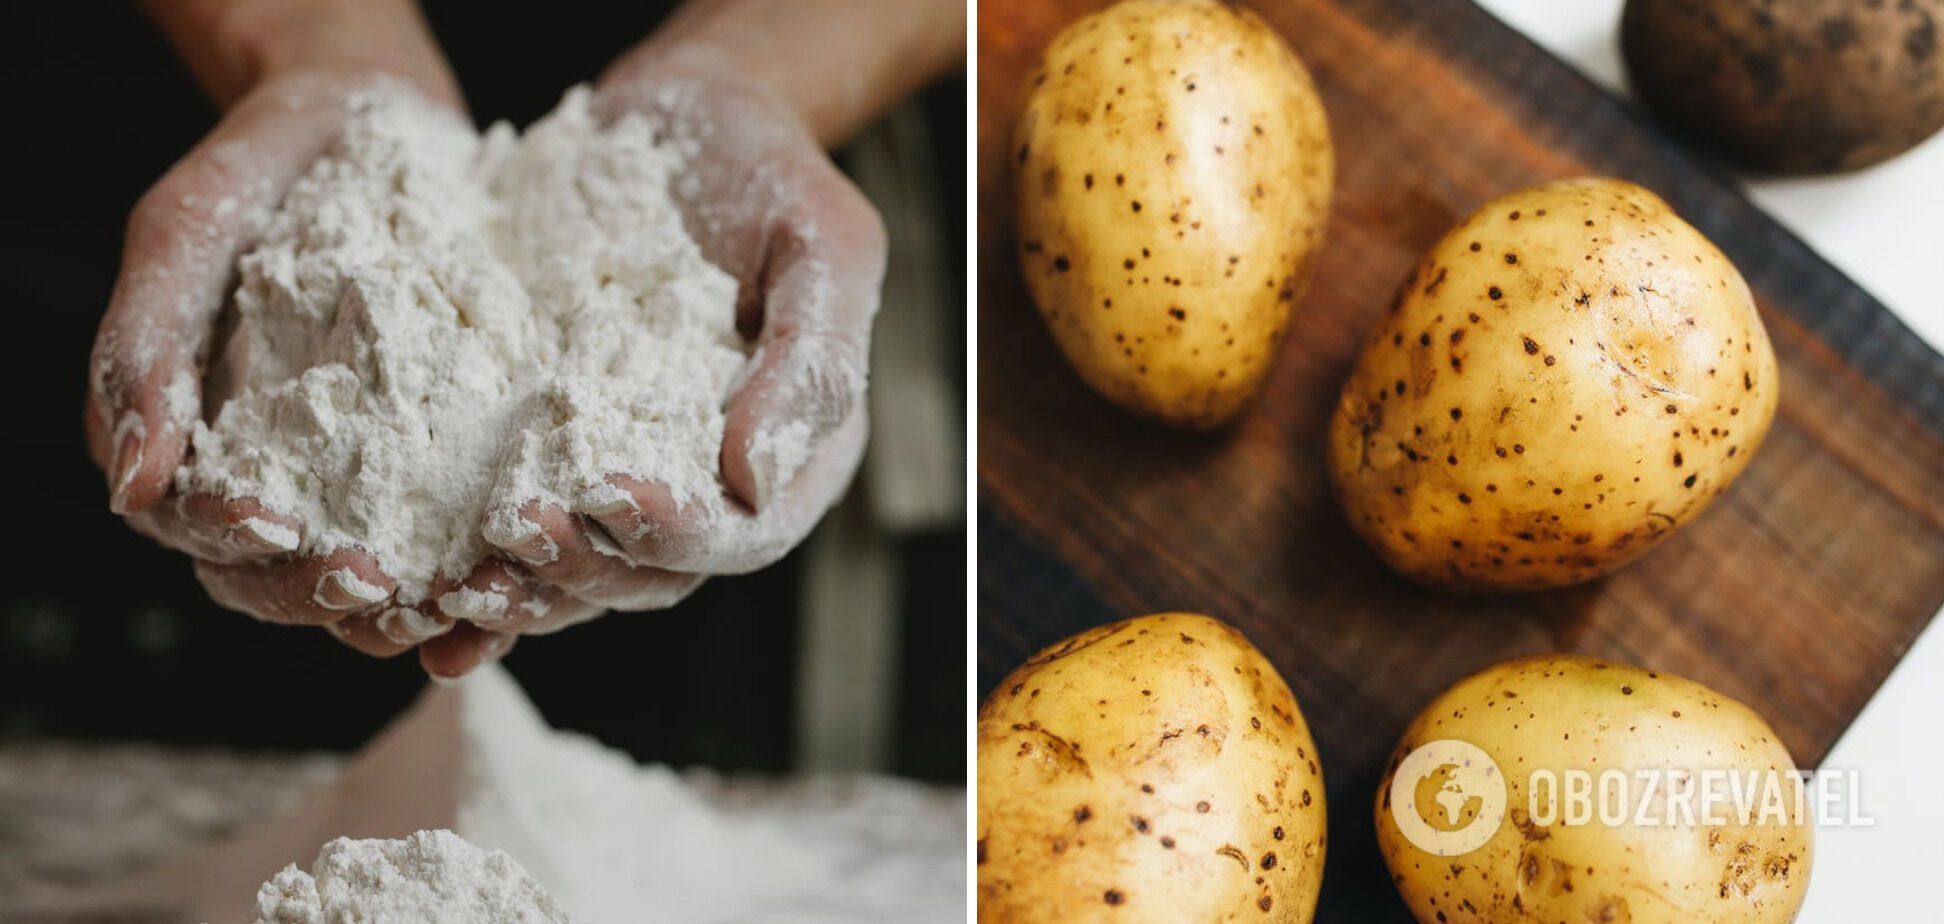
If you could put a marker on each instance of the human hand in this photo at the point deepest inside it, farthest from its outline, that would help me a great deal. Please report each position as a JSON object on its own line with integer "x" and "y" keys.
{"x": 284, "y": 72}
{"x": 807, "y": 250}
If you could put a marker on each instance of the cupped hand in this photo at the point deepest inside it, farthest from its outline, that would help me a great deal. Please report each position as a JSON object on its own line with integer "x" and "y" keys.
{"x": 146, "y": 388}
{"x": 807, "y": 251}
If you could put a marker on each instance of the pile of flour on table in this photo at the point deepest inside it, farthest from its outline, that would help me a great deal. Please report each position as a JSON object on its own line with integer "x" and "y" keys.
{"x": 429, "y": 876}
{"x": 438, "y": 326}
{"x": 615, "y": 842}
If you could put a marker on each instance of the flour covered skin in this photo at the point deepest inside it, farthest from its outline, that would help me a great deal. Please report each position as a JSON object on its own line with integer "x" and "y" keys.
{"x": 438, "y": 327}
{"x": 428, "y": 876}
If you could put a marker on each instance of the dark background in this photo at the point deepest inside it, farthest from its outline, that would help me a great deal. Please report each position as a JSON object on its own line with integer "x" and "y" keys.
{"x": 106, "y": 636}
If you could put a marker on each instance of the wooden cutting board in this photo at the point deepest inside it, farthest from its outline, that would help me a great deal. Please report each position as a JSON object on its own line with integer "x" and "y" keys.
{"x": 1796, "y": 593}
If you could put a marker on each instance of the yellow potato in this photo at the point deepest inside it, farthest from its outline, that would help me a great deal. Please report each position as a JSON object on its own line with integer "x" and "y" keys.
{"x": 1570, "y": 375}
{"x": 1172, "y": 166}
{"x": 1560, "y": 713}
{"x": 1153, "y": 770}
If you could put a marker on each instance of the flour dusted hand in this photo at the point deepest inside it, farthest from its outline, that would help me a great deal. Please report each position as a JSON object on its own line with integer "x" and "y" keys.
{"x": 807, "y": 253}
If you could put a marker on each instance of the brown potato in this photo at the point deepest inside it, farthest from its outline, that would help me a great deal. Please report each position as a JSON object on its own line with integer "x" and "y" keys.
{"x": 1559, "y": 713}
{"x": 1570, "y": 375}
{"x": 1797, "y": 86}
{"x": 1172, "y": 172}
{"x": 1154, "y": 770}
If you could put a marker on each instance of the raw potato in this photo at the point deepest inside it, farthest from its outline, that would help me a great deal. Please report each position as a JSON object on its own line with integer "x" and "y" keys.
{"x": 1798, "y": 86}
{"x": 1569, "y": 376}
{"x": 1172, "y": 168}
{"x": 1562, "y": 712}
{"x": 1152, "y": 770}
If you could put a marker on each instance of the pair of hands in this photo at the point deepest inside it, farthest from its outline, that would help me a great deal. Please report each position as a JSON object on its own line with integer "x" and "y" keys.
{"x": 761, "y": 198}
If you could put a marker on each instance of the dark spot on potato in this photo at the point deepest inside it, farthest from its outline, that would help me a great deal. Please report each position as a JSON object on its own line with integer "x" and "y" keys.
{"x": 1114, "y": 897}
{"x": 1531, "y": 347}
{"x": 1457, "y": 413}
{"x": 1511, "y": 258}
{"x": 1201, "y": 807}
{"x": 1494, "y": 293}
{"x": 1689, "y": 483}
{"x": 1269, "y": 860}
{"x": 1168, "y": 842}
{"x": 1464, "y": 498}
{"x": 1265, "y": 903}
{"x": 1626, "y": 691}
{"x": 1677, "y": 458}
{"x": 1278, "y": 833}
{"x": 1082, "y": 814}
{"x": 1088, "y": 179}
{"x": 1137, "y": 205}
{"x": 1177, "y": 313}
{"x": 1062, "y": 264}
{"x": 1424, "y": 340}
{"x": 1474, "y": 246}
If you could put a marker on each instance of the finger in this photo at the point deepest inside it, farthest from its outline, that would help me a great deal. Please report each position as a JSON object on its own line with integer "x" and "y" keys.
{"x": 243, "y": 524}
{"x": 307, "y": 590}
{"x": 361, "y": 631}
{"x": 807, "y": 376}
{"x": 456, "y": 653}
{"x": 492, "y": 593}
{"x": 586, "y": 560}
{"x": 182, "y": 241}
{"x": 408, "y": 625}
{"x": 719, "y": 535}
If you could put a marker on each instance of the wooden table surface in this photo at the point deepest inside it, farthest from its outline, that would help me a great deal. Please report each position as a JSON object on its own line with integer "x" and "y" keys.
{"x": 1795, "y": 593}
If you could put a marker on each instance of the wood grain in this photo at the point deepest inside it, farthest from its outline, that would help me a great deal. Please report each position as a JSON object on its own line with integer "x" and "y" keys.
{"x": 1796, "y": 593}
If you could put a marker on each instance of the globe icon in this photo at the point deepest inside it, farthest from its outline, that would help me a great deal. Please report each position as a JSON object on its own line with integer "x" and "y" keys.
{"x": 1447, "y": 797}
{"x": 1443, "y": 788}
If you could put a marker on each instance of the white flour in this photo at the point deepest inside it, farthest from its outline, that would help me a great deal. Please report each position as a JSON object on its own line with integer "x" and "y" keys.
{"x": 431, "y": 876}
{"x": 438, "y": 326}
{"x": 615, "y": 842}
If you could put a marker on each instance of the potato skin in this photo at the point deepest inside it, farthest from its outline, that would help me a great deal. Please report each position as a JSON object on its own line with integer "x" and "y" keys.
{"x": 1564, "y": 712}
{"x": 1794, "y": 86}
{"x": 1172, "y": 169}
{"x": 1156, "y": 769}
{"x": 1569, "y": 376}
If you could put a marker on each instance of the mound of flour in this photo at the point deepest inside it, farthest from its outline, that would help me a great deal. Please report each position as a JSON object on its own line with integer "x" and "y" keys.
{"x": 438, "y": 326}
{"x": 429, "y": 876}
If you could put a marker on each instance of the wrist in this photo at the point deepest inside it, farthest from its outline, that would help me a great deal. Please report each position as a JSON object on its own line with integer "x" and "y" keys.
{"x": 234, "y": 46}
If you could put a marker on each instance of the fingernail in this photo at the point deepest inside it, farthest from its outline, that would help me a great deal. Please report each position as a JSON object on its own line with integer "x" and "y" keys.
{"x": 604, "y": 545}
{"x": 341, "y": 589}
{"x": 774, "y": 456}
{"x": 443, "y": 680}
{"x": 267, "y": 536}
{"x": 520, "y": 537}
{"x": 608, "y": 500}
{"x": 479, "y": 606}
{"x": 408, "y": 626}
{"x": 129, "y": 435}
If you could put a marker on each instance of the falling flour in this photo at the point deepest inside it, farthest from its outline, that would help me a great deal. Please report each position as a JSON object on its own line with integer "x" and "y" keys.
{"x": 429, "y": 876}
{"x": 438, "y": 327}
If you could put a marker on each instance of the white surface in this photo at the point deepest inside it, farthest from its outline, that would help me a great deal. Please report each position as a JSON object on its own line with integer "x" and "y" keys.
{"x": 1884, "y": 227}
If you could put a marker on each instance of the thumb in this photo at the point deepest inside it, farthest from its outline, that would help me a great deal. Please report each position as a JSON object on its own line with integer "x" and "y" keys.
{"x": 183, "y": 239}
{"x": 807, "y": 377}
